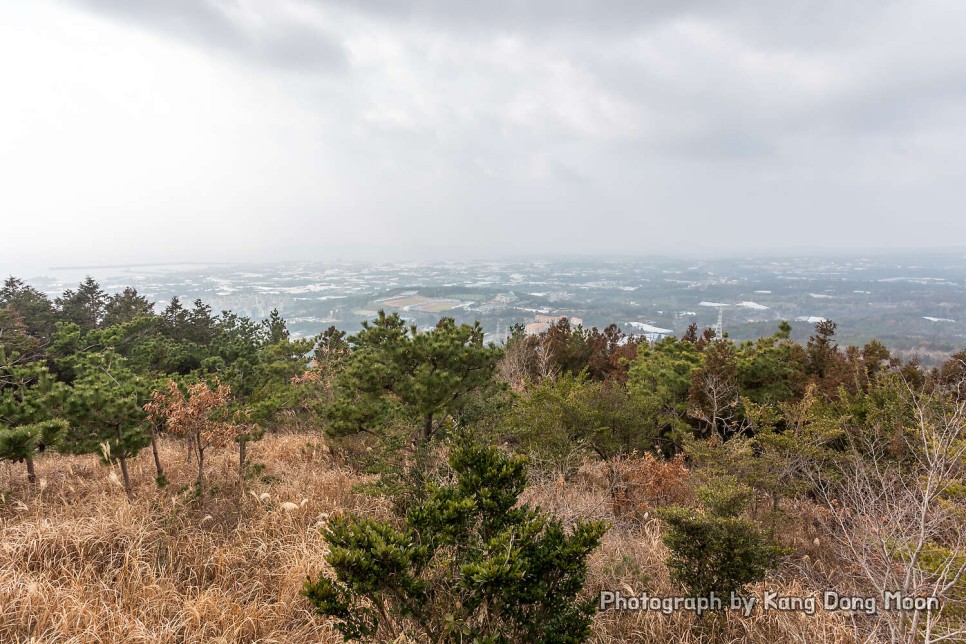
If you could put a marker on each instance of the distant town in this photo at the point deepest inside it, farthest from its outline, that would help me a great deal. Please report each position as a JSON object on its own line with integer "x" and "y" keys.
{"x": 915, "y": 304}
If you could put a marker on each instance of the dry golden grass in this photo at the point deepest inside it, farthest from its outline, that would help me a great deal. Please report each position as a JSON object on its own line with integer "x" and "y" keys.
{"x": 81, "y": 563}
{"x": 631, "y": 560}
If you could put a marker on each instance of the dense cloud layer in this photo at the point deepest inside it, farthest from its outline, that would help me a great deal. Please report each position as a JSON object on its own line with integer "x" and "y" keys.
{"x": 306, "y": 128}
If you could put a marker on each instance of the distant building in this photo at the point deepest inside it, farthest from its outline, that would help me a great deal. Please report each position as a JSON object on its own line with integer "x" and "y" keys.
{"x": 650, "y": 332}
{"x": 543, "y": 323}
{"x": 553, "y": 319}
{"x": 536, "y": 328}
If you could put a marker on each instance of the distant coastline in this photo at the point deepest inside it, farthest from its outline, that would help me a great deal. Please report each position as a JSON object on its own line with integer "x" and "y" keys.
{"x": 139, "y": 265}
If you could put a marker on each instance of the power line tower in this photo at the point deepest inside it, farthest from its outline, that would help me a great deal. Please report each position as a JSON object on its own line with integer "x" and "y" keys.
{"x": 719, "y": 327}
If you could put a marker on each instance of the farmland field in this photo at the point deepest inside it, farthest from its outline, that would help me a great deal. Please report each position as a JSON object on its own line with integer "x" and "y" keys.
{"x": 437, "y": 306}
{"x": 402, "y": 302}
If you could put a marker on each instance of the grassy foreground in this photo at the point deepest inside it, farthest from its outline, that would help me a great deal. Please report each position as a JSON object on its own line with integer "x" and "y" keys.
{"x": 81, "y": 563}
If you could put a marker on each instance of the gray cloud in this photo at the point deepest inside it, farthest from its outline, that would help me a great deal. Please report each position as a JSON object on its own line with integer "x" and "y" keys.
{"x": 266, "y": 36}
{"x": 505, "y": 126}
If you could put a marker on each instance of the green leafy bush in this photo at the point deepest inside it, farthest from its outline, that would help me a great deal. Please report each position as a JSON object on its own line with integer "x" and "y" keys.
{"x": 468, "y": 564}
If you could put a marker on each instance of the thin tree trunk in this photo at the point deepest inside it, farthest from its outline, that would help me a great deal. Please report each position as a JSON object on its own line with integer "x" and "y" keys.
{"x": 428, "y": 427}
{"x": 157, "y": 458}
{"x": 618, "y": 490}
{"x": 124, "y": 472}
{"x": 241, "y": 463}
{"x": 127, "y": 477}
{"x": 201, "y": 474}
{"x": 31, "y": 474}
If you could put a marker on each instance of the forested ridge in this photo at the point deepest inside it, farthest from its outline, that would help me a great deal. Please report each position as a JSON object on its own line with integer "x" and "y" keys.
{"x": 485, "y": 493}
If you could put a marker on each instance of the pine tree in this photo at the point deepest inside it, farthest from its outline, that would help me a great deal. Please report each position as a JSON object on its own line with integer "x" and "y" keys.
{"x": 331, "y": 347}
{"x": 201, "y": 324}
{"x": 715, "y": 550}
{"x": 469, "y": 564}
{"x": 175, "y": 318}
{"x": 85, "y": 306}
{"x": 106, "y": 411}
{"x": 32, "y": 308}
{"x": 659, "y": 381}
{"x": 125, "y": 307}
{"x": 275, "y": 328}
{"x": 30, "y": 399}
{"x": 16, "y": 344}
{"x": 423, "y": 375}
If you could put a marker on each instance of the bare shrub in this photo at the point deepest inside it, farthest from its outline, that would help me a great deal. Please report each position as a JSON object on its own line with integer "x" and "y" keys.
{"x": 900, "y": 521}
{"x": 642, "y": 483}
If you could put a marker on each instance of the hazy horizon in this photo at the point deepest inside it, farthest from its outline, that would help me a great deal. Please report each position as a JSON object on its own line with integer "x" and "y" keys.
{"x": 28, "y": 270}
{"x": 319, "y": 130}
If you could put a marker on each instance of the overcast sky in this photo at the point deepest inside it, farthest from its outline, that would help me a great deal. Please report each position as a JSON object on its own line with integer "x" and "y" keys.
{"x": 162, "y": 130}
